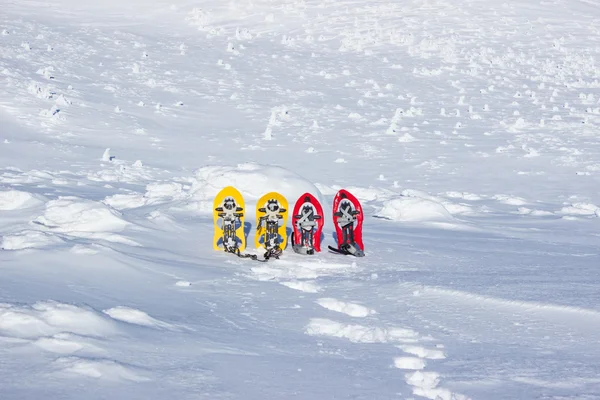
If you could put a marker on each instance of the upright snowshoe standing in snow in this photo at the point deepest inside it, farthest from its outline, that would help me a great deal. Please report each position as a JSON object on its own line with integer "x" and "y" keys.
{"x": 271, "y": 219}
{"x": 348, "y": 219}
{"x": 307, "y": 220}
{"x": 228, "y": 213}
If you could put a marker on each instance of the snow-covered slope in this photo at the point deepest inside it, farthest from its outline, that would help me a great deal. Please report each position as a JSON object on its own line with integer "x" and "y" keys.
{"x": 468, "y": 132}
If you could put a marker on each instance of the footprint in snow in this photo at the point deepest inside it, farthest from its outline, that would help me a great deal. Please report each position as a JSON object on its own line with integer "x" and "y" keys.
{"x": 423, "y": 352}
{"x": 409, "y": 363}
{"x": 350, "y": 309}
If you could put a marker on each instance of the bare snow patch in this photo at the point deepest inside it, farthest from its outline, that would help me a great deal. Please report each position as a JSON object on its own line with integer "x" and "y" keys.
{"x": 414, "y": 209}
{"x": 358, "y": 333}
{"x": 72, "y": 215}
{"x": 119, "y": 171}
{"x": 253, "y": 181}
{"x": 423, "y": 379}
{"x": 532, "y": 212}
{"x": 122, "y": 201}
{"x": 511, "y": 200}
{"x": 67, "y": 343}
{"x": 303, "y": 286}
{"x": 288, "y": 272}
{"x": 156, "y": 193}
{"x": 28, "y": 239}
{"x": 83, "y": 218}
{"x": 351, "y": 309}
{"x": 422, "y": 352}
{"x": 83, "y": 249}
{"x": 134, "y": 316}
{"x": 363, "y": 194}
{"x": 409, "y": 363}
{"x": 98, "y": 368}
{"x": 203, "y": 20}
{"x": 438, "y": 394}
{"x": 16, "y": 200}
{"x": 417, "y": 206}
{"x": 425, "y": 382}
{"x": 49, "y": 318}
{"x": 463, "y": 195}
{"x": 406, "y": 138}
{"x": 60, "y": 346}
{"x": 267, "y": 273}
{"x": 581, "y": 209}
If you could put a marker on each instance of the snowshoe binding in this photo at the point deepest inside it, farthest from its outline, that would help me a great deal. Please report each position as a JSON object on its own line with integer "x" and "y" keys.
{"x": 308, "y": 223}
{"x": 228, "y": 212}
{"x": 271, "y": 215}
{"x": 348, "y": 218}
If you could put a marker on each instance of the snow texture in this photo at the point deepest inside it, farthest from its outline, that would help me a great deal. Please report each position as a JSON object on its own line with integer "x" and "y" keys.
{"x": 467, "y": 130}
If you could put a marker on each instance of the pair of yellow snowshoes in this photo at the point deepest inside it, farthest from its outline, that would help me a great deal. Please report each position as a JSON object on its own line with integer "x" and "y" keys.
{"x": 230, "y": 226}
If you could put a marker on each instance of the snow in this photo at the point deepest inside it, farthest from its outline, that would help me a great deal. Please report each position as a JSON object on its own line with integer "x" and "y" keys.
{"x": 466, "y": 129}
{"x": 358, "y": 333}
{"x": 409, "y": 363}
{"x": 133, "y": 316}
{"x": 16, "y": 200}
{"x": 103, "y": 369}
{"x": 303, "y": 286}
{"x": 252, "y": 180}
{"x": 28, "y": 239}
{"x": 423, "y": 352}
{"x": 49, "y": 318}
{"x": 351, "y": 309}
{"x": 414, "y": 209}
{"x": 75, "y": 215}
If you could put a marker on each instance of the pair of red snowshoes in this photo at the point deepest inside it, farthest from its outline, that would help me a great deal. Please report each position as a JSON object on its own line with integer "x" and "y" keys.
{"x": 308, "y": 221}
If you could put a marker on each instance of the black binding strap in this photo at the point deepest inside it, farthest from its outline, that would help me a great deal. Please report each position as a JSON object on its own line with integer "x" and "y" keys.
{"x": 274, "y": 252}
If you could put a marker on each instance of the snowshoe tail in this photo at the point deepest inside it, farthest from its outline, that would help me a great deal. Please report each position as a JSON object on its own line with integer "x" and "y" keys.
{"x": 348, "y": 250}
{"x": 304, "y": 250}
